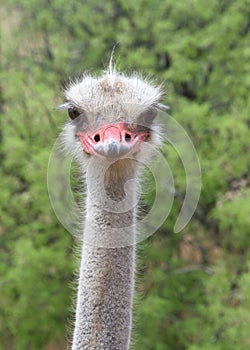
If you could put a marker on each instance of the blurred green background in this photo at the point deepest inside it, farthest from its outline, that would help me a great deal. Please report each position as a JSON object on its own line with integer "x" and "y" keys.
{"x": 194, "y": 290}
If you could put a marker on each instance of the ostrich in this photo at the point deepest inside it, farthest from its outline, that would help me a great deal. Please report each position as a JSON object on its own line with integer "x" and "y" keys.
{"x": 112, "y": 120}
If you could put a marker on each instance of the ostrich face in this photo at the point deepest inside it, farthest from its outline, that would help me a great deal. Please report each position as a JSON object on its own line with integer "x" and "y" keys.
{"x": 111, "y": 116}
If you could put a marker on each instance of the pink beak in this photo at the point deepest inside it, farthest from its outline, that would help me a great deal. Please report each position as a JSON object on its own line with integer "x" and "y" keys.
{"x": 112, "y": 141}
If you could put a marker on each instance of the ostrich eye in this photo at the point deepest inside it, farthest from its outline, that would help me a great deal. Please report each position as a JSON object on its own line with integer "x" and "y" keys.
{"x": 147, "y": 117}
{"x": 73, "y": 113}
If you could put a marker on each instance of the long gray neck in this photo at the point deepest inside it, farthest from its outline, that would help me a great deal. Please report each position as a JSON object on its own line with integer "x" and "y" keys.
{"x": 106, "y": 282}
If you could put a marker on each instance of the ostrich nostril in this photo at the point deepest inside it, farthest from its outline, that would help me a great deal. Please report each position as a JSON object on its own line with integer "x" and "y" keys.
{"x": 127, "y": 137}
{"x": 97, "y": 138}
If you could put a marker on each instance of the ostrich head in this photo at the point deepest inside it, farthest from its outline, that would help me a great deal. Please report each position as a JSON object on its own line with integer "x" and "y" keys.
{"x": 112, "y": 117}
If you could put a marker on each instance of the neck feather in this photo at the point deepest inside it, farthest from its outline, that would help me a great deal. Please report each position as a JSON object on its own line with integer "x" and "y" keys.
{"x": 106, "y": 281}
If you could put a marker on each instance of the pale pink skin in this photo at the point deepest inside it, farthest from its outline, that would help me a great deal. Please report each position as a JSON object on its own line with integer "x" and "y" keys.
{"x": 112, "y": 141}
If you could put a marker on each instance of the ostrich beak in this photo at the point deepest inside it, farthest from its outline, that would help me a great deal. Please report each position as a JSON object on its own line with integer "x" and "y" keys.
{"x": 113, "y": 141}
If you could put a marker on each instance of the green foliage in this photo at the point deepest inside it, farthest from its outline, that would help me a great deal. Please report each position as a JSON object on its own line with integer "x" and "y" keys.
{"x": 196, "y": 285}
{"x": 37, "y": 286}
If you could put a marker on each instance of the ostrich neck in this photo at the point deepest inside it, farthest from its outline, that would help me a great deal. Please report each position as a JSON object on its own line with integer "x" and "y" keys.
{"x": 106, "y": 282}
